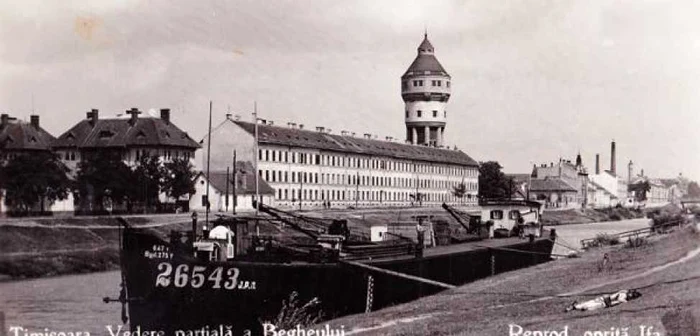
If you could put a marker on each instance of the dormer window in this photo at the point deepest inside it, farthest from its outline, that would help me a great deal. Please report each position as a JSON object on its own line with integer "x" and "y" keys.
{"x": 32, "y": 139}
{"x": 140, "y": 134}
{"x": 418, "y": 113}
{"x": 104, "y": 134}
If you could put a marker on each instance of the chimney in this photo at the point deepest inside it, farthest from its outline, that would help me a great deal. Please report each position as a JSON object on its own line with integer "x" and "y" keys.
{"x": 291, "y": 124}
{"x": 612, "y": 157}
{"x": 271, "y": 122}
{"x": 165, "y": 115}
{"x": 34, "y": 121}
{"x": 93, "y": 116}
{"x": 344, "y": 133}
{"x": 319, "y": 129}
{"x": 4, "y": 119}
{"x": 551, "y": 164}
{"x": 352, "y": 134}
{"x": 301, "y": 126}
{"x": 368, "y": 136}
{"x": 134, "y": 115}
{"x": 597, "y": 164}
{"x": 228, "y": 116}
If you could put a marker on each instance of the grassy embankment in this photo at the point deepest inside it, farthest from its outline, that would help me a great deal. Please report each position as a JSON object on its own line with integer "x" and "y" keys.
{"x": 535, "y": 298}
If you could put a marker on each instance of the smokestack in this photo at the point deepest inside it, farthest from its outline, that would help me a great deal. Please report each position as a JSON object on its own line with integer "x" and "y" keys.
{"x": 612, "y": 157}
{"x": 34, "y": 121}
{"x": 630, "y": 168}
{"x": 134, "y": 112}
{"x": 597, "y": 164}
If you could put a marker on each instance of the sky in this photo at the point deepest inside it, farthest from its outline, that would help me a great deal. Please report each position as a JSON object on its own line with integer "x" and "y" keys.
{"x": 532, "y": 81}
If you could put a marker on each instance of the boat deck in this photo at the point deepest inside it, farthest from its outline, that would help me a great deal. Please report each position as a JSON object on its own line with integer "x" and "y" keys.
{"x": 438, "y": 251}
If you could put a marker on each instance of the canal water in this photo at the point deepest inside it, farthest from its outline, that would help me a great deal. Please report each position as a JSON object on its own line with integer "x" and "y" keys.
{"x": 67, "y": 303}
{"x": 74, "y": 303}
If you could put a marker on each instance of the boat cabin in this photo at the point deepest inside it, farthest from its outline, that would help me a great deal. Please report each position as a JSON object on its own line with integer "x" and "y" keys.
{"x": 512, "y": 217}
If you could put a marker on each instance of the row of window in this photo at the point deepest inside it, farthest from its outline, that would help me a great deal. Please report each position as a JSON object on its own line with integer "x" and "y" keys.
{"x": 419, "y": 83}
{"x": 275, "y": 176}
{"x": 498, "y": 214}
{"x": 352, "y": 195}
{"x": 353, "y": 162}
{"x": 419, "y": 114}
{"x": 138, "y": 154}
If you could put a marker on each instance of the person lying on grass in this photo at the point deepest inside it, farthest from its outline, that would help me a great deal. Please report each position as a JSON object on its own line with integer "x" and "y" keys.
{"x": 605, "y": 301}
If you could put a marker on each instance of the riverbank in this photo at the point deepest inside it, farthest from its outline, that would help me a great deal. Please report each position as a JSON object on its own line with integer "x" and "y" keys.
{"x": 665, "y": 268}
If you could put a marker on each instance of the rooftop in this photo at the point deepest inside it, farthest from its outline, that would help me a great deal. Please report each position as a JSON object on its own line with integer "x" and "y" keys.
{"x": 349, "y": 144}
{"x": 94, "y": 132}
{"x": 16, "y": 135}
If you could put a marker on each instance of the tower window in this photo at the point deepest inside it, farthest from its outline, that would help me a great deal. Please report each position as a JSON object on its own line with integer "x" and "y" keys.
{"x": 434, "y": 83}
{"x": 415, "y": 83}
{"x": 418, "y": 113}
{"x": 420, "y": 83}
{"x": 434, "y": 113}
{"x": 439, "y": 83}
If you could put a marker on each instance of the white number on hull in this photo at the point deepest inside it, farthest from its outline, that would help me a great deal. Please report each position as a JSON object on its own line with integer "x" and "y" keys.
{"x": 163, "y": 279}
{"x": 182, "y": 277}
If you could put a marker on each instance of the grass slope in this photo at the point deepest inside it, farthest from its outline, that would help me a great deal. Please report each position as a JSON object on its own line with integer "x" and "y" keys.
{"x": 526, "y": 297}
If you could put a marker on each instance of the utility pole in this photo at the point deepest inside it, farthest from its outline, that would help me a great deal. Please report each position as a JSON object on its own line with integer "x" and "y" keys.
{"x": 206, "y": 222}
{"x": 227, "y": 182}
{"x": 357, "y": 188}
{"x": 301, "y": 186}
{"x": 235, "y": 197}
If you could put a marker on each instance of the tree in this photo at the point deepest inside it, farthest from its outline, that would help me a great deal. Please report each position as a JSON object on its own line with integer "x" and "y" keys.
{"x": 640, "y": 190}
{"x": 148, "y": 175}
{"x": 103, "y": 175}
{"x": 32, "y": 179}
{"x": 493, "y": 183}
{"x": 178, "y": 178}
{"x": 459, "y": 191}
{"x": 693, "y": 189}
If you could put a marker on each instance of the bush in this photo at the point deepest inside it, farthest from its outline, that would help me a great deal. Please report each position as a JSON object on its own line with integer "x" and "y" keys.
{"x": 604, "y": 239}
{"x": 293, "y": 313}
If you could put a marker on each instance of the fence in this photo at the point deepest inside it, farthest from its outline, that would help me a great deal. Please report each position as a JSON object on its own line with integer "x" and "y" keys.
{"x": 638, "y": 233}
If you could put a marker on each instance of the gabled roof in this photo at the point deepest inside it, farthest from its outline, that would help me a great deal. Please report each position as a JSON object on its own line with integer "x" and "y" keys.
{"x": 145, "y": 131}
{"x": 347, "y": 144}
{"x": 245, "y": 184}
{"x": 550, "y": 184}
{"x": 21, "y": 136}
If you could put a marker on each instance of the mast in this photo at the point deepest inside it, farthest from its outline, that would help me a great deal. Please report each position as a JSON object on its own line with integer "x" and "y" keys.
{"x": 235, "y": 197}
{"x": 206, "y": 221}
{"x": 257, "y": 175}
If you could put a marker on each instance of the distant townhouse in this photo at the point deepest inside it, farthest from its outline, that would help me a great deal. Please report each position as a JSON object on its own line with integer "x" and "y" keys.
{"x": 561, "y": 185}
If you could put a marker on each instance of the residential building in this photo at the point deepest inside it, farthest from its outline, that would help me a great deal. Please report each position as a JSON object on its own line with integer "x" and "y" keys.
{"x": 19, "y": 138}
{"x": 131, "y": 136}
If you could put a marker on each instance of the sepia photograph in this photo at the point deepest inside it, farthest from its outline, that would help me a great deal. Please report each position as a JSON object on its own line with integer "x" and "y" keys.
{"x": 359, "y": 167}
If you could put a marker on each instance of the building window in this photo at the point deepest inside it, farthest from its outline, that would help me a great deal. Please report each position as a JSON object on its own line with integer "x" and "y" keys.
{"x": 434, "y": 83}
{"x": 496, "y": 214}
{"x": 420, "y": 83}
{"x": 434, "y": 113}
{"x": 439, "y": 83}
{"x": 406, "y": 113}
{"x": 513, "y": 214}
{"x": 419, "y": 113}
{"x": 448, "y": 83}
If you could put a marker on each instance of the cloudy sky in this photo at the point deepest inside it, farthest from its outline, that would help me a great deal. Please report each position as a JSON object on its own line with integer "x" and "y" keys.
{"x": 533, "y": 80}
